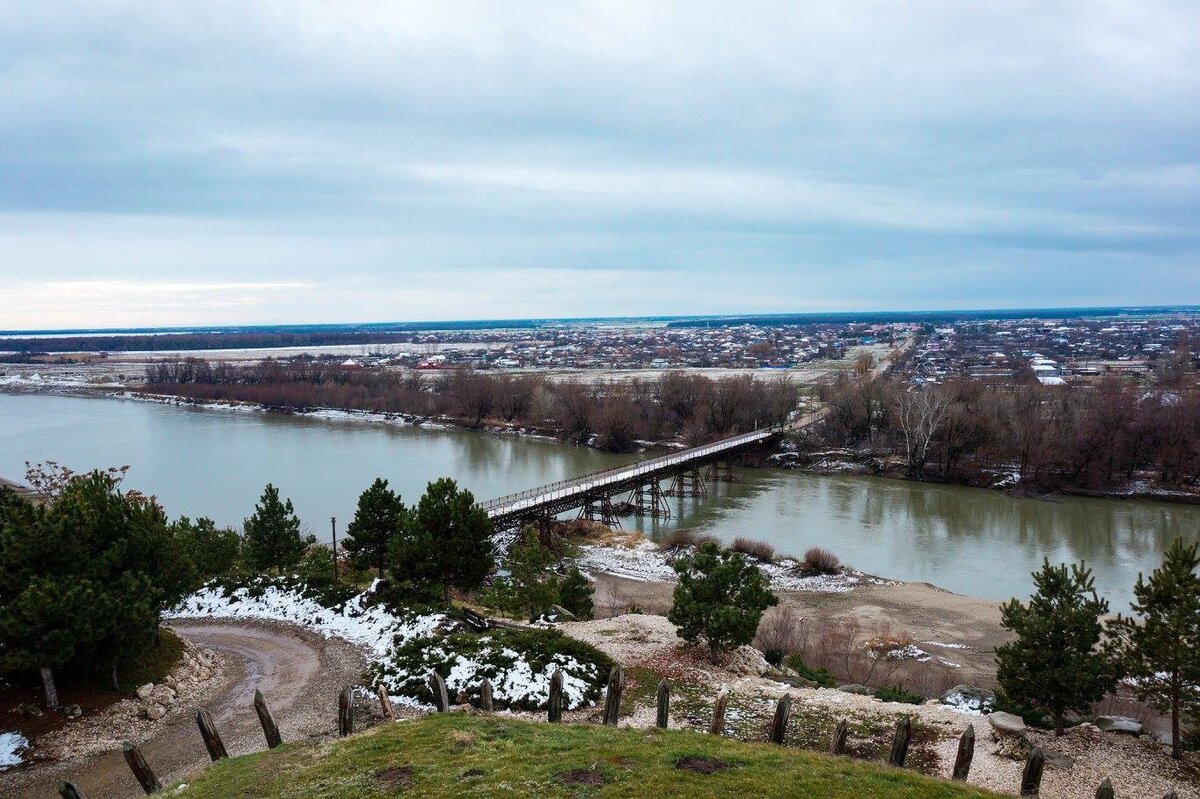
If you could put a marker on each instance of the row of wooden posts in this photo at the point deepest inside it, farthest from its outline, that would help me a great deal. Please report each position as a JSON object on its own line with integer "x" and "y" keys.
{"x": 1031, "y": 775}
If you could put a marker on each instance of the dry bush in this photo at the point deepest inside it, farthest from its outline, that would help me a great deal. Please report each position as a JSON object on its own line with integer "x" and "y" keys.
{"x": 781, "y": 630}
{"x": 820, "y": 561}
{"x": 684, "y": 539}
{"x": 755, "y": 549}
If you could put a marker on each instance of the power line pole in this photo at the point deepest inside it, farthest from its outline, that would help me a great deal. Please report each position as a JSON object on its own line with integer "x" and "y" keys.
{"x": 333, "y": 527}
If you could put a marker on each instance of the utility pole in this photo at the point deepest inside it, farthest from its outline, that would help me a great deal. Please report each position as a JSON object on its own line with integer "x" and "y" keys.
{"x": 333, "y": 527}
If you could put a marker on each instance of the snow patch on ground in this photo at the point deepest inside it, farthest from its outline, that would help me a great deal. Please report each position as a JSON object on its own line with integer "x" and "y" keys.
{"x": 373, "y": 628}
{"x": 973, "y": 705}
{"x": 646, "y": 562}
{"x": 12, "y": 745}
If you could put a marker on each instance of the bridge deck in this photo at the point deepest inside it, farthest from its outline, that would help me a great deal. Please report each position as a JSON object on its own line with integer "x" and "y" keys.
{"x": 548, "y": 500}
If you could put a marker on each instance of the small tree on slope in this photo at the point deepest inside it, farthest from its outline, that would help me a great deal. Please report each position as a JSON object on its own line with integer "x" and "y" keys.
{"x": 272, "y": 534}
{"x": 1162, "y": 648}
{"x": 1056, "y": 664}
{"x": 719, "y": 598}
{"x": 447, "y": 541}
{"x": 380, "y": 517}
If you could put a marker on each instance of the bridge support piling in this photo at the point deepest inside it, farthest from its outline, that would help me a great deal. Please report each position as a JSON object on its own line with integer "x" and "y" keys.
{"x": 648, "y": 500}
{"x": 722, "y": 472}
{"x": 601, "y": 511}
{"x": 688, "y": 484}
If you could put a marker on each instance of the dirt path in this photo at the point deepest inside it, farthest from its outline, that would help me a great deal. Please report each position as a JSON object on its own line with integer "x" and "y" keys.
{"x": 299, "y": 673}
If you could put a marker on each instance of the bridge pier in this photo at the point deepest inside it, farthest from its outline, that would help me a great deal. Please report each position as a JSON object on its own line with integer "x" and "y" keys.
{"x": 723, "y": 472}
{"x": 601, "y": 510}
{"x": 648, "y": 500}
{"x": 688, "y": 484}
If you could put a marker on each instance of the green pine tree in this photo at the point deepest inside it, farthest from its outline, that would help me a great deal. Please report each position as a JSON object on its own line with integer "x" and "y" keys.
{"x": 1057, "y": 663}
{"x": 720, "y": 598}
{"x": 447, "y": 542}
{"x": 1161, "y": 648}
{"x": 575, "y": 594}
{"x": 531, "y": 587}
{"x": 272, "y": 534}
{"x": 380, "y": 517}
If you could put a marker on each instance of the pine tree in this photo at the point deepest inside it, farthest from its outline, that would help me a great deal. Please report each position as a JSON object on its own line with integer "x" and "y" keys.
{"x": 272, "y": 534}
{"x": 531, "y": 587}
{"x": 447, "y": 541}
{"x": 575, "y": 594}
{"x": 1162, "y": 647}
{"x": 380, "y": 517}
{"x": 1057, "y": 663}
{"x": 720, "y": 598}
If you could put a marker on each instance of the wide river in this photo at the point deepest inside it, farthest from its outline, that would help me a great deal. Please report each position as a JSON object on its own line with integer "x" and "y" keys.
{"x": 215, "y": 463}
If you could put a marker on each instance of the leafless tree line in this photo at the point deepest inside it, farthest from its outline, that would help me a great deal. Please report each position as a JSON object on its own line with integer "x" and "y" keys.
{"x": 614, "y": 415}
{"x": 1095, "y": 436}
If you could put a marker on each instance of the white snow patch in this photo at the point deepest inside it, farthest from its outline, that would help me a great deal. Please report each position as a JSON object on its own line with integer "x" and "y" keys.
{"x": 945, "y": 646}
{"x": 966, "y": 704}
{"x": 12, "y": 746}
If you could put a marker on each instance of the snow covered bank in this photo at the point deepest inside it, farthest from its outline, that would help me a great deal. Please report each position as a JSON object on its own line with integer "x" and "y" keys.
{"x": 12, "y": 748}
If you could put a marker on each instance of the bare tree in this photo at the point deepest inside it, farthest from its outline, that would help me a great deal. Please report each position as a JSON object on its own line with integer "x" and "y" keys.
{"x": 921, "y": 413}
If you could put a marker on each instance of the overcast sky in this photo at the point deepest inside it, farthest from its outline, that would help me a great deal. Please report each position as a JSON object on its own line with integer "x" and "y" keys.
{"x": 257, "y": 162}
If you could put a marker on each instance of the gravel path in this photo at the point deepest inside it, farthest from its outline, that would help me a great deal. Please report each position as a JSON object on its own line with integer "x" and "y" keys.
{"x": 299, "y": 673}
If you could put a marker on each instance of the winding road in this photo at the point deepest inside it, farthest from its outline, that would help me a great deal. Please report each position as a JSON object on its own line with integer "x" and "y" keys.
{"x": 299, "y": 673}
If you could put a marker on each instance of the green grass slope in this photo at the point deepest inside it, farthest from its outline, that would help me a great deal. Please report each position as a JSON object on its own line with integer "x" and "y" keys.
{"x": 461, "y": 755}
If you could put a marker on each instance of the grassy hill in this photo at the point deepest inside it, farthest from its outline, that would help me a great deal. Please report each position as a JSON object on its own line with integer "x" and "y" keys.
{"x": 461, "y": 755}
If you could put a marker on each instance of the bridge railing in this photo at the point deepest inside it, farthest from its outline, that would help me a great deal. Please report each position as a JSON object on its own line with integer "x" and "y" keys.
{"x": 574, "y": 485}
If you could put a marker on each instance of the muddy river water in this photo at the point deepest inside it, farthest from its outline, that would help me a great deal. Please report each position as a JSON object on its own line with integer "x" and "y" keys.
{"x": 215, "y": 463}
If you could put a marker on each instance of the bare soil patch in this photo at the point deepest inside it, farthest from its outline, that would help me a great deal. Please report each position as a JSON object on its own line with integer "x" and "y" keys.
{"x": 396, "y": 776}
{"x": 582, "y": 776}
{"x": 701, "y": 765}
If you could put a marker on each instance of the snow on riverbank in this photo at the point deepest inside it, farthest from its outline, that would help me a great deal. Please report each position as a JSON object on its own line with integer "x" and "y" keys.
{"x": 644, "y": 561}
{"x": 12, "y": 747}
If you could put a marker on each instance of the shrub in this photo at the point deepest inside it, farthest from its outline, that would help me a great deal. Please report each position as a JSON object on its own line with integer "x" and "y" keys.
{"x": 575, "y": 594}
{"x": 898, "y": 694}
{"x": 820, "y": 676}
{"x": 684, "y": 539}
{"x": 755, "y": 549}
{"x": 820, "y": 561}
{"x": 518, "y": 662}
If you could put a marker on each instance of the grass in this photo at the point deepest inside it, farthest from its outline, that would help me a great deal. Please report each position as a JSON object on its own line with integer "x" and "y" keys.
{"x": 456, "y": 754}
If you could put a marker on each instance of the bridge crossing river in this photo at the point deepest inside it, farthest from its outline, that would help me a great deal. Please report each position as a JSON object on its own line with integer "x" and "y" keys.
{"x": 593, "y": 493}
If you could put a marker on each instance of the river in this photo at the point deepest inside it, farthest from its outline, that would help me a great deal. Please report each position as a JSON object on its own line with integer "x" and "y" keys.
{"x": 215, "y": 463}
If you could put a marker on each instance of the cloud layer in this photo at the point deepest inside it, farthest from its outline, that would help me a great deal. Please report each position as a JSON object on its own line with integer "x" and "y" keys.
{"x": 249, "y": 161}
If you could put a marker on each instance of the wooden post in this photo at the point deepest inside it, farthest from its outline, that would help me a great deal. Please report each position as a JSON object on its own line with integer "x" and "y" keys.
{"x": 900, "y": 742}
{"x": 270, "y": 728}
{"x": 140, "y": 768}
{"x": 1031, "y": 777}
{"x": 485, "y": 696}
{"x": 385, "y": 702}
{"x": 554, "y": 705}
{"x": 212, "y": 738}
{"x": 718, "y": 721}
{"x": 966, "y": 751}
{"x": 663, "y": 717}
{"x": 838, "y": 747}
{"x": 1105, "y": 791}
{"x": 783, "y": 712}
{"x": 1171, "y": 795}
{"x": 346, "y": 711}
{"x": 612, "y": 699}
{"x": 437, "y": 686}
{"x": 68, "y": 791}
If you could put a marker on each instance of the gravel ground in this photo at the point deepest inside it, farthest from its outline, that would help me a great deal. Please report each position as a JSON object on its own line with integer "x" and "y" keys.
{"x": 300, "y": 674}
{"x": 1137, "y": 768}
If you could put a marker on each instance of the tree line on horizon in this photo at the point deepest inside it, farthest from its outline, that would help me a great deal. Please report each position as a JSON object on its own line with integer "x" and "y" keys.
{"x": 613, "y": 415}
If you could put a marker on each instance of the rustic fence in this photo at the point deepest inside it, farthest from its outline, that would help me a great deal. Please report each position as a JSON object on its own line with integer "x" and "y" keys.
{"x": 1030, "y": 783}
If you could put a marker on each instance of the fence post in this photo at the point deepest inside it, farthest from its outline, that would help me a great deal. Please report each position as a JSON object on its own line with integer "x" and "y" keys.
{"x": 68, "y": 791}
{"x": 779, "y": 723}
{"x": 900, "y": 742}
{"x": 1105, "y": 791}
{"x": 270, "y": 728}
{"x": 140, "y": 768}
{"x": 212, "y": 738}
{"x": 385, "y": 702}
{"x": 554, "y": 705}
{"x": 838, "y": 747}
{"x": 437, "y": 686}
{"x": 612, "y": 699}
{"x": 663, "y": 717}
{"x": 485, "y": 696}
{"x": 966, "y": 751}
{"x": 718, "y": 721}
{"x": 1171, "y": 795}
{"x": 346, "y": 711}
{"x": 1031, "y": 777}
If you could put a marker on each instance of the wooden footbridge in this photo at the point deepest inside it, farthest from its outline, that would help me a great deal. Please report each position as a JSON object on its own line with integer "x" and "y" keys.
{"x": 593, "y": 494}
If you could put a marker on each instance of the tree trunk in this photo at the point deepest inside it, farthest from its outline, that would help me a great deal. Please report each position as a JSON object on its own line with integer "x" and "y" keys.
{"x": 1176, "y": 746}
{"x": 1060, "y": 725}
{"x": 115, "y": 683}
{"x": 49, "y": 688}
